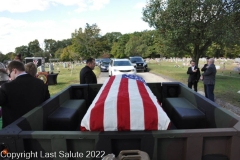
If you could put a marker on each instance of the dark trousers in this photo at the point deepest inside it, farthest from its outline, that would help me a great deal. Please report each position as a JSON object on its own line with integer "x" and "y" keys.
{"x": 210, "y": 90}
{"x": 205, "y": 90}
{"x": 194, "y": 84}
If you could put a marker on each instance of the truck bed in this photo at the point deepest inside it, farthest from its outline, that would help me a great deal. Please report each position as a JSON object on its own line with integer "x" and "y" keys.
{"x": 216, "y": 135}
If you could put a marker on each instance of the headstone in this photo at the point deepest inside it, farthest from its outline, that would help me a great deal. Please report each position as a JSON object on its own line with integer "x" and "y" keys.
{"x": 42, "y": 68}
{"x": 217, "y": 67}
{"x": 51, "y": 68}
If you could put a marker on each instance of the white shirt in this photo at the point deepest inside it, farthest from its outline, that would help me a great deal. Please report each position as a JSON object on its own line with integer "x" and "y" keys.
{"x": 193, "y": 67}
{"x": 21, "y": 74}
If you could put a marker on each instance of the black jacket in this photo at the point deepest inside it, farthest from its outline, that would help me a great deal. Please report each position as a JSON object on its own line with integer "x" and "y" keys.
{"x": 209, "y": 75}
{"x": 204, "y": 68}
{"x": 87, "y": 76}
{"x": 193, "y": 76}
{"x": 19, "y": 96}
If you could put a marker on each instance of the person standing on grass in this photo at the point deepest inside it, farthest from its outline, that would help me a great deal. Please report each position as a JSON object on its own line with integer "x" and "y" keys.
{"x": 87, "y": 75}
{"x": 209, "y": 79}
{"x": 194, "y": 75}
{"x": 203, "y": 70}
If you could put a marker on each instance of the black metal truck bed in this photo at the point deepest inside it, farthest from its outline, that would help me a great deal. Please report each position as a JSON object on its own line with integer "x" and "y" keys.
{"x": 216, "y": 135}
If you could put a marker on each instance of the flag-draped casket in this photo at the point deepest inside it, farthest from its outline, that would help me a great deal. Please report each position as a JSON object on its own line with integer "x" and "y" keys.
{"x": 124, "y": 103}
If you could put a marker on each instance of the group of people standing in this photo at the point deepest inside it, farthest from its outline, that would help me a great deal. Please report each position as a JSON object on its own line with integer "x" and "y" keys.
{"x": 208, "y": 77}
{"x": 22, "y": 92}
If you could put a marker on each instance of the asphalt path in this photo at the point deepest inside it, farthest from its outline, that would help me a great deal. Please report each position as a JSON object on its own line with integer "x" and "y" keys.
{"x": 147, "y": 76}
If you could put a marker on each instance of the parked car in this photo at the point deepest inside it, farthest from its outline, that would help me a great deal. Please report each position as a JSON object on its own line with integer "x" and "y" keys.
{"x": 104, "y": 66}
{"x": 97, "y": 61}
{"x": 121, "y": 66}
{"x": 105, "y": 60}
{"x": 139, "y": 63}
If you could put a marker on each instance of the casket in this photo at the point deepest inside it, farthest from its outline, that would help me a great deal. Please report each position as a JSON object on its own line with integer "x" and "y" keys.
{"x": 125, "y": 103}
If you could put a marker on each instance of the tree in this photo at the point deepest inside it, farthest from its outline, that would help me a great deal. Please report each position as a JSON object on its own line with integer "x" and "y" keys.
{"x": 51, "y": 46}
{"x": 102, "y": 47}
{"x": 68, "y": 54}
{"x": 64, "y": 43}
{"x": 231, "y": 51}
{"x": 58, "y": 53}
{"x": 10, "y": 56}
{"x": 156, "y": 45}
{"x": 65, "y": 56}
{"x": 191, "y": 26}
{"x": 137, "y": 45}
{"x": 23, "y": 50}
{"x": 112, "y": 37}
{"x": 2, "y": 57}
{"x": 34, "y": 47}
{"x": 84, "y": 42}
{"x": 118, "y": 48}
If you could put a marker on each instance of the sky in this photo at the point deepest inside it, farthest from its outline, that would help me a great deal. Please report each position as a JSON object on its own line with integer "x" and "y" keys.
{"x": 22, "y": 21}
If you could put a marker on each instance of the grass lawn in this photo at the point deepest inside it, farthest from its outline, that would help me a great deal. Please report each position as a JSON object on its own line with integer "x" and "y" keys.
{"x": 227, "y": 84}
{"x": 66, "y": 77}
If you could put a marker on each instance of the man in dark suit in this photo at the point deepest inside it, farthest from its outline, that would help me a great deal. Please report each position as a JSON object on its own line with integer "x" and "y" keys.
{"x": 203, "y": 70}
{"x": 23, "y": 93}
{"x": 209, "y": 79}
{"x": 87, "y": 76}
{"x": 194, "y": 75}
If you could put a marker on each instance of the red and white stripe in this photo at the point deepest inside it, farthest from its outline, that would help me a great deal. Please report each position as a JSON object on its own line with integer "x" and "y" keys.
{"x": 124, "y": 104}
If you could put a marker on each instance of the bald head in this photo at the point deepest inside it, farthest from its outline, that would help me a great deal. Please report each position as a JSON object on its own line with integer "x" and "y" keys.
{"x": 211, "y": 61}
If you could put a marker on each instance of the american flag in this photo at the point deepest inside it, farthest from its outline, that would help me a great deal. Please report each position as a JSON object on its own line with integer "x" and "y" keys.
{"x": 125, "y": 103}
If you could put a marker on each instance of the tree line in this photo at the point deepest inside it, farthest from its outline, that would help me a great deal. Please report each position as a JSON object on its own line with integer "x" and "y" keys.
{"x": 189, "y": 28}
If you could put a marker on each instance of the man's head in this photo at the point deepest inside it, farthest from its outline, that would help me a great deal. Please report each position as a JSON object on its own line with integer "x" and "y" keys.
{"x": 91, "y": 63}
{"x": 31, "y": 69}
{"x": 207, "y": 59}
{"x": 18, "y": 57}
{"x": 192, "y": 62}
{"x": 211, "y": 61}
{"x": 15, "y": 68}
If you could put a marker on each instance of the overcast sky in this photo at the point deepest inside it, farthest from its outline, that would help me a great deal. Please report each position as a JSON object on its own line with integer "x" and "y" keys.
{"x": 22, "y": 21}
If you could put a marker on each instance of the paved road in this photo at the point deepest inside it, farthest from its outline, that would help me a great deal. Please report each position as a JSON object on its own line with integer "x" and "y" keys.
{"x": 148, "y": 77}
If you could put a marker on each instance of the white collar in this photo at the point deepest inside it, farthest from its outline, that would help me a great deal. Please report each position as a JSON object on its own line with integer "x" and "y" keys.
{"x": 23, "y": 73}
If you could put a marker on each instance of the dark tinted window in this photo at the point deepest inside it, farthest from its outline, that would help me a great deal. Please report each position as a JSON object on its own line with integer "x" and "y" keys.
{"x": 105, "y": 63}
{"x": 121, "y": 63}
{"x": 106, "y": 60}
{"x": 136, "y": 59}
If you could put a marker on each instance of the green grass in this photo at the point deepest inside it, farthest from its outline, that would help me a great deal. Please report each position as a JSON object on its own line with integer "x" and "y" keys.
{"x": 66, "y": 78}
{"x": 226, "y": 87}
